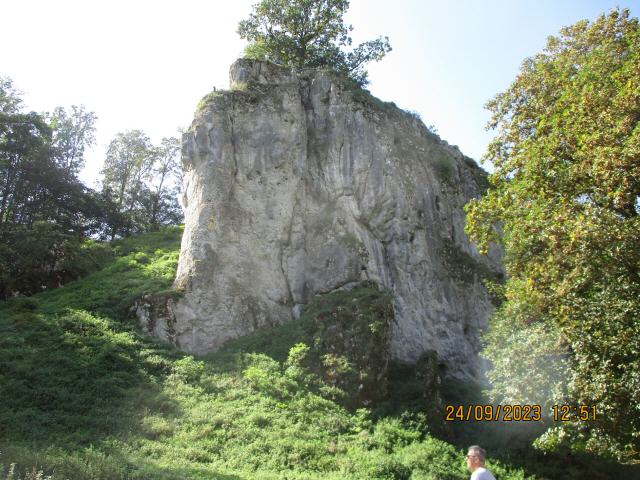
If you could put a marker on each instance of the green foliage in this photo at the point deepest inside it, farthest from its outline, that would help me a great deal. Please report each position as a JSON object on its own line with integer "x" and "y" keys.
{"x": 46, "y": 213}
{"x": 537, "y": 364}
{"x": 445, "y": 166}
{"x": 72, "y": 132}
{"x": 40, "y": 157}
{"x": 208, "y": 98}
{"x": 308, "y": 33}
{"x": 29, "y": 475}
{"x": 112, "y": 290}
{"x": 362, "y": 95}
{"x": 266, "y": 376}
{"x": 341, "y": 337}
{"x": 10, "y": 101}
{"x": 565, "y": 192}
{"x": 188, "y": 369}
{"x": 42, "y": 256}
{"x": 141, "y": 181}
{"x": 464, "y": 268}
{"x": 239, "y": 87}
{"x": 352, "y": 341}
{"x": 86, "y": 396}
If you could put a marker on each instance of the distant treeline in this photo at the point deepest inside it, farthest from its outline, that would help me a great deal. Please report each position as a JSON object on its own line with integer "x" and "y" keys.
{"x": 49, "y": 220}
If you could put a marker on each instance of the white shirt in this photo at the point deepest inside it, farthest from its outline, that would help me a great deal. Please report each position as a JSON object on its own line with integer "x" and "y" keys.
{"x": 482, "y": 473}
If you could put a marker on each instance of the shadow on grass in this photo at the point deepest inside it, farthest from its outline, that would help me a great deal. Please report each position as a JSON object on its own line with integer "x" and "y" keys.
{"x": 91, "y": 463}
{"x": 68, "y": 379}
{"x": 178, "y": 473}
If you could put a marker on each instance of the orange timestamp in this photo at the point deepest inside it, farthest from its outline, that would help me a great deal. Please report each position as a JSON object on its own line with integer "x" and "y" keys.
{"x": 567, "y": 413}
{"x": 493, "y": 413}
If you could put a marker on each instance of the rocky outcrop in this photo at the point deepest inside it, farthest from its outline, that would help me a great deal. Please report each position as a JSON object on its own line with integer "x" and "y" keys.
{"x": 297, "y": 184}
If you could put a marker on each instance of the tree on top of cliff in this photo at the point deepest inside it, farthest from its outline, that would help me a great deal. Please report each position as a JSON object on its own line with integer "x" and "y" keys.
{"x": 308, "y": 33}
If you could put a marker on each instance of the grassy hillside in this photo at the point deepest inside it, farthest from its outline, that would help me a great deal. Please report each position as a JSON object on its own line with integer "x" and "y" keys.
{"x": 84, "y": 395}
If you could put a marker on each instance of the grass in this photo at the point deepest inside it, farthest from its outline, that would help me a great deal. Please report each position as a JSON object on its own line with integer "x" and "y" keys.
{"x": 239, "y": 87}
{"x": 84, "y": 395}
{"x": 209, "y": 97}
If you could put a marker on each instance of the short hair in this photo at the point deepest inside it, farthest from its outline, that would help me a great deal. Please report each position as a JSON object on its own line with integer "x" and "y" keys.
{"x": 479, "y": 451}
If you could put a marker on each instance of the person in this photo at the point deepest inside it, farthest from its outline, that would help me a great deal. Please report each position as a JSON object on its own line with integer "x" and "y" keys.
{"x": 475, "y": 463}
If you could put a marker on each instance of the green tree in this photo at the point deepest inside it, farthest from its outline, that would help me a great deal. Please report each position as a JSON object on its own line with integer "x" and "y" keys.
{"x": 164, "y": 207}
{"x": 39, "y": 160}
{"x": 24, "y": 160}
{"x": 10, "y": 100}
{"x": 140, "y": 181}
{"x": 45, "y": 211}
{"x": 308, "y": 33}
{"x": 565, "y": 198}
{"x": 130, "y": 157}
{"x": 73, "y": 132}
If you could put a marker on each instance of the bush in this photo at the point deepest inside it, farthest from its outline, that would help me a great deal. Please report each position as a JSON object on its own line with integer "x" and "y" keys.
{"x": 266, "y": 375}
{"x": 41, "y": 257}
{"x": 444, "y": 166}
{"x": 188, "y": 369}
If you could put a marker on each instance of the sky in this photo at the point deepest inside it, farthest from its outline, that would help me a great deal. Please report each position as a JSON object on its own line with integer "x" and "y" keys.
{"x": 143, "y": 64}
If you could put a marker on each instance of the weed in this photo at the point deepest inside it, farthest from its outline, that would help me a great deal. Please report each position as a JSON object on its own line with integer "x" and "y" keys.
{"x": 209, "y": 97}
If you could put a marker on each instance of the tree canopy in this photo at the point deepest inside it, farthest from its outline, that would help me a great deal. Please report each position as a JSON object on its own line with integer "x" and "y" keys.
{"x": 564, "y": 203}
{"x": 142, "y": 182}
{"x": 72, "y": 132}
{"x": 308, "y": 33}
{"x": 48, "y": 217}
{"x": 45, "y": 211}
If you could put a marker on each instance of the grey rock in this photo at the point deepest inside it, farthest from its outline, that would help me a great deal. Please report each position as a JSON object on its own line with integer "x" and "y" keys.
{"x": 296, "y": 184}
{"x": 156, "y": 314}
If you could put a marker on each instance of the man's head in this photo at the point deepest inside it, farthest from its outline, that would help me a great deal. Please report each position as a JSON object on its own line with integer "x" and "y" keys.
{"x": 475, "y": 457}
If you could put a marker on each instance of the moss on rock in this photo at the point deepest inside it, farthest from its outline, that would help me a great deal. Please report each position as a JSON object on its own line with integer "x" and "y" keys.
{"x": 352, "y": 341}
{"x": 348, "y": 333}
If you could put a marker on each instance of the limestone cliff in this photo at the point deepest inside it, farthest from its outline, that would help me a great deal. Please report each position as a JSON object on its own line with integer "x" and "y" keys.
{"x": 296, "y": 184}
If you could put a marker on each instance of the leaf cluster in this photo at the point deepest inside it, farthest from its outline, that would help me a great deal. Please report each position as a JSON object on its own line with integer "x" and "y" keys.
{"x": 47, "y": 214}
{"x": 45, "y": 211}
{"x": 308, "y": 33}
{"x": 564, "y": 203}
{"x": 142, "y": 182}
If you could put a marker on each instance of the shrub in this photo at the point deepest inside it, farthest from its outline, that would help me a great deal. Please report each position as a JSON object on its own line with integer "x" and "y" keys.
{"x": 188, "y": 369}
{"x": 444, "y": 166}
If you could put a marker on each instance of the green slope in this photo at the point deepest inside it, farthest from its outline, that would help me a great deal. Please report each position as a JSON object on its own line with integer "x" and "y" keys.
{"x": 84, "y": 395}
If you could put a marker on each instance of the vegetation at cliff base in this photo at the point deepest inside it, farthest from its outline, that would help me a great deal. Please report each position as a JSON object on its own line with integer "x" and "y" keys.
{"x": 566, "y": 195}
{"x": 85, "y": 395}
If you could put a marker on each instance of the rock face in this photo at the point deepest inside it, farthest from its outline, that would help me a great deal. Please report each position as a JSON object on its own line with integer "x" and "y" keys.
{"x": 297, "y": 184}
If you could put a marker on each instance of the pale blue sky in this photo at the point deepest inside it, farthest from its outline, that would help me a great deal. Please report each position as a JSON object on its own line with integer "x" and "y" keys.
{"x": 145, "y": 64}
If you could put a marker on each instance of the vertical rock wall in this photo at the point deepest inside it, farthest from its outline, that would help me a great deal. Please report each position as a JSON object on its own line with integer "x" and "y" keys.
{"x": 297, "y": 184}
